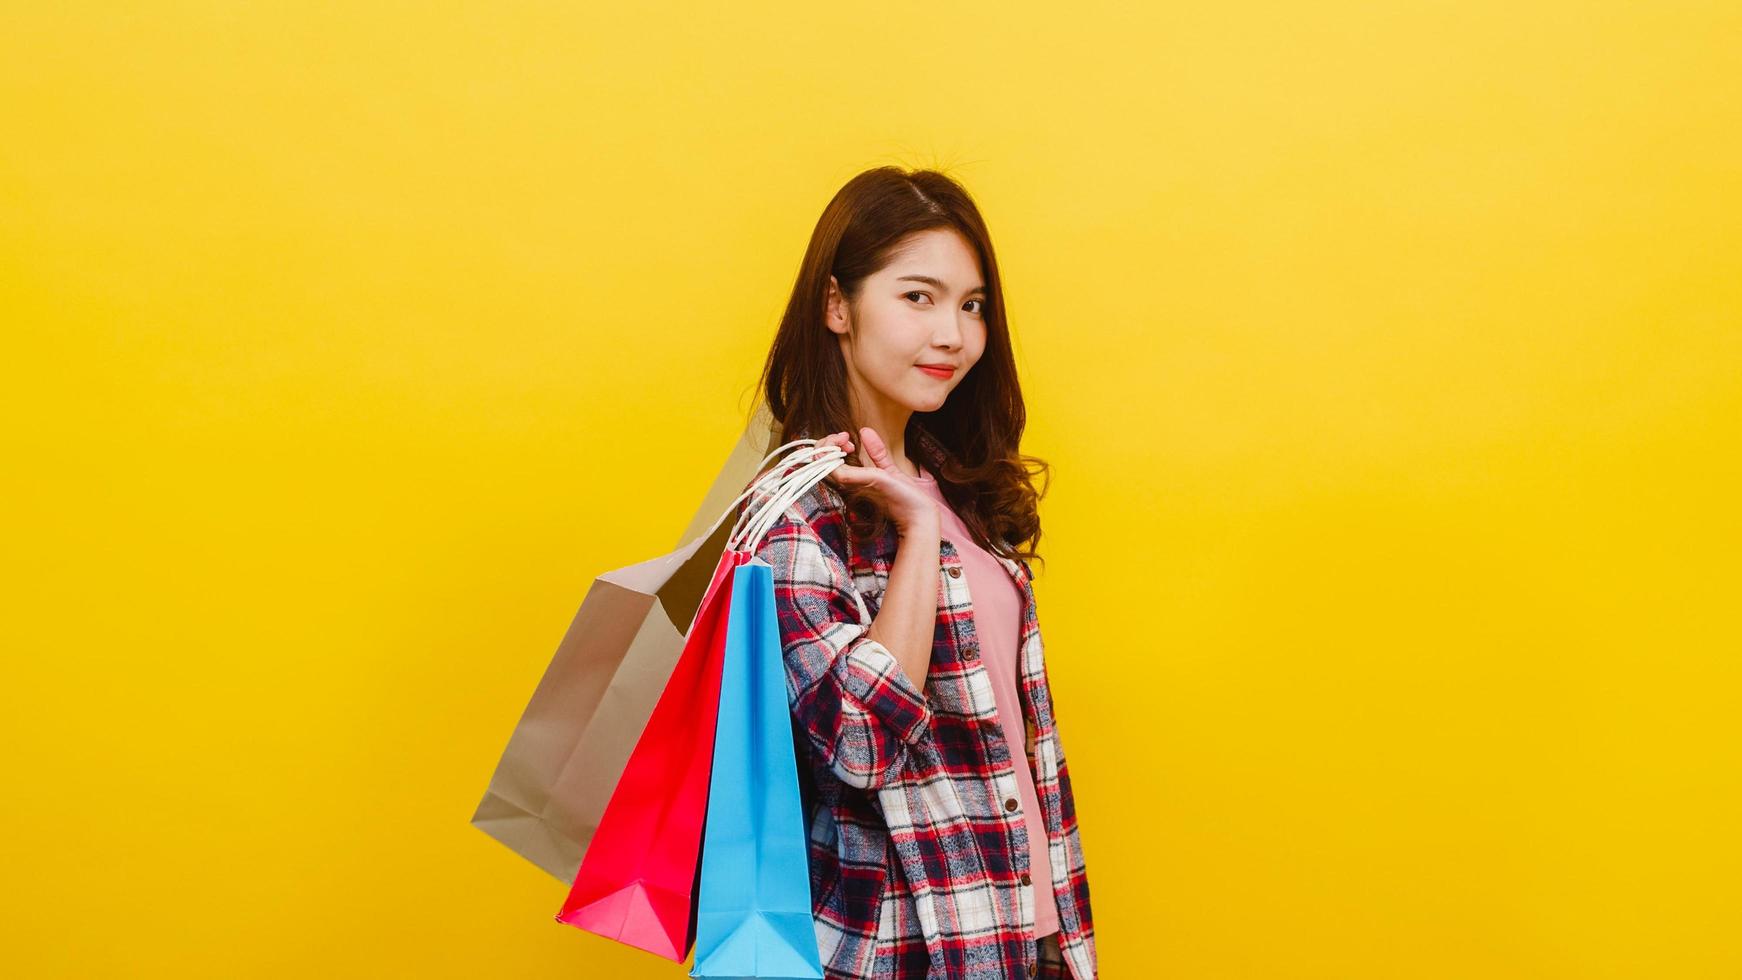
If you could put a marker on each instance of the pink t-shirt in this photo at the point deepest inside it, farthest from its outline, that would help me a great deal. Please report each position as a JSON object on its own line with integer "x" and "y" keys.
{"x": 997, "y": 601}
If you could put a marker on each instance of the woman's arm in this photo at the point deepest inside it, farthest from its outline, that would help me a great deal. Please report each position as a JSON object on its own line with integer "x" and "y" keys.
{"x": 907, "y": 619}
{"x": 855, "y": 702}
{"x": 860, "y": 701}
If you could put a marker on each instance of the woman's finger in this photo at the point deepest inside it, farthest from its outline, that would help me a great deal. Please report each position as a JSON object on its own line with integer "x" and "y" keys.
{"x": 878, "y": 452}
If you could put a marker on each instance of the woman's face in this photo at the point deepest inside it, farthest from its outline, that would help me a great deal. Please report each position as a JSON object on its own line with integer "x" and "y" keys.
{"x": 923, "y": 308}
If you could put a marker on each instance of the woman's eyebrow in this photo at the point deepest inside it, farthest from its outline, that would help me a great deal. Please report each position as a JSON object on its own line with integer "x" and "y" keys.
{"x": 938, "y": 283}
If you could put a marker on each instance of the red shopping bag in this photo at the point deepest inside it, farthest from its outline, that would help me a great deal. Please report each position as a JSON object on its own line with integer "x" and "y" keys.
{"x": 637, "y": 881}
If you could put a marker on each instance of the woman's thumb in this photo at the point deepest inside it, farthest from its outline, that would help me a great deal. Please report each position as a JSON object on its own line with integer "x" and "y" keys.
{"x": 875, "y": 450}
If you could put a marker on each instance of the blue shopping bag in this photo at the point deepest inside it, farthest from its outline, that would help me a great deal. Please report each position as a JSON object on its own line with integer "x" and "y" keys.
{"x": 753, "y": 911}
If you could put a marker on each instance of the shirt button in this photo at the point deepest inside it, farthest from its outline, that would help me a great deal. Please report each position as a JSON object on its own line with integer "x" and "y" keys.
{"x": 1025, "y": 879}
{"x": 969, "y": 653}
{"x": 1032, "y": 968}
{"x": 955, "y": 571}
{"x": 1010, "y": 805}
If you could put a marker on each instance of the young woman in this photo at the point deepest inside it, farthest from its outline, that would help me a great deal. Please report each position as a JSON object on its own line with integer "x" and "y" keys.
{"x": 943, "y": 835}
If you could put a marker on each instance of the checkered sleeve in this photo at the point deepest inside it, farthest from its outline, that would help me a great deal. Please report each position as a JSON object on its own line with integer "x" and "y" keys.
{"x": 855, "y": 703}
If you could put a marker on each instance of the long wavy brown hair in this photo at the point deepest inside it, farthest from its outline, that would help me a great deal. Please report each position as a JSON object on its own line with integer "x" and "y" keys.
{"x": 974, "y": 445}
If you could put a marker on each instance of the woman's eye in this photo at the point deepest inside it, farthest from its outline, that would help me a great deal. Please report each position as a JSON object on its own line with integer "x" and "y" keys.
{"x": 914, "y": 293}
{"x": 982, "y": 303}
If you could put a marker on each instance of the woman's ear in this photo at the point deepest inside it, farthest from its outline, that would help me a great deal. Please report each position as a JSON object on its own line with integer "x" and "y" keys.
{"x": 836, "y": 314}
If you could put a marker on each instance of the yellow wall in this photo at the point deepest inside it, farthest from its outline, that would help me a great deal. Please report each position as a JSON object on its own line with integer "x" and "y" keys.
{"x": 1389, "y": 356}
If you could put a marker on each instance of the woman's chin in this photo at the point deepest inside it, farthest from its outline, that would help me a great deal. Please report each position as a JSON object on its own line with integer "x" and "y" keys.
{"x": 928, "y": 401}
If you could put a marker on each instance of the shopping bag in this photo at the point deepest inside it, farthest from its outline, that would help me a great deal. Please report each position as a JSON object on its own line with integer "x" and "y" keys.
{"x": 572, "y": 741}
{"x": 754, "y": 909}
{"x": 638, "y": 878}
{"x": 636, "y": 882}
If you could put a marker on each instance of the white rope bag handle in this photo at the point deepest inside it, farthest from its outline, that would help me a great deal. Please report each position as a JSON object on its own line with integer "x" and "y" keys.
{"x": 815, "y": 464}
{"x": 817, "y": 461}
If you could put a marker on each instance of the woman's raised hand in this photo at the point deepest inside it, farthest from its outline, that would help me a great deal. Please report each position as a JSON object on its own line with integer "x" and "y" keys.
{"x": 897, "y": 493}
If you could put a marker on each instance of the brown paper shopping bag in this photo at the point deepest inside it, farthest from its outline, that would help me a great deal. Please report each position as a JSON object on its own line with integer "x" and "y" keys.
{"x": 575, "y": 737}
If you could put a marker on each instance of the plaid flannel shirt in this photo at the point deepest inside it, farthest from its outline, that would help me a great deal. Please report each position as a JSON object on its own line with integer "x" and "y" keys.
{"x": 918, "y": 844}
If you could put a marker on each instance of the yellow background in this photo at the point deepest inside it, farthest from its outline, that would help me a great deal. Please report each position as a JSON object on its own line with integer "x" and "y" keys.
{"x": 1389, "y": 356}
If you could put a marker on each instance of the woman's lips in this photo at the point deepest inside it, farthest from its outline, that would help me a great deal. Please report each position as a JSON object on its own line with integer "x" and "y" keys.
{"x": 937, "y": 372}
